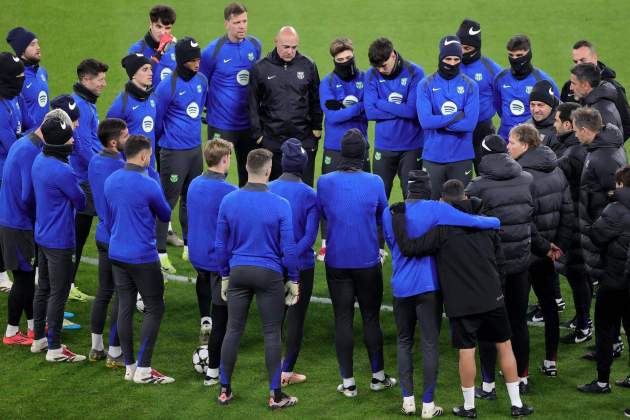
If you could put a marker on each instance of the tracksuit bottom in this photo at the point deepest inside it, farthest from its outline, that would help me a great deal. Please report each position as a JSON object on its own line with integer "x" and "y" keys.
{"x": 104, "y": 294}
{"x": 611, "y": 308}
{"x": 51, "y": 295}
{"x": 21, "y": 296}
{"x": 294, "y": 320}
{"x": 439, "y": 173}
{"x": 365, "y": 285}
{"x": 541, "y": 275}
{"x": 177, "y": 170}
{"x": 424, "y": 309}
{"x": 82, "y": 226}
{"x": 146, "y": 279}
{"x": 387, "y": 164}
{"x": 268, "y": 287}
{"x": 209, "y": 292}
{"x": 581, "y": 288}
{"x": 516, "y": 293}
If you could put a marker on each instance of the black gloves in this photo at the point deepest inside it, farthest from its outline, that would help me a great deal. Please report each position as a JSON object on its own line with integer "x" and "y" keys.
{"x": 334, "y": 105}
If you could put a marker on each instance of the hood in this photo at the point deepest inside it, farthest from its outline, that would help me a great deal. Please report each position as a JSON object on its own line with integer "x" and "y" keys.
{"x": 471, "y": 206}
{"x": 622, "y": 195}
{"x": 606, "y": 72}
{"x": 605, "y": 91}
{"x": 610, "y": 137}
{"x": 275, "y": 58}
{"x": 499, "y": 166}
{"x": 541, "y": 159}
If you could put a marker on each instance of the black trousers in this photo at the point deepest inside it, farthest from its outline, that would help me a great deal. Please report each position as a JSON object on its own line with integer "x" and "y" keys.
{"x": 148, "y": 281}
{"x": 483, "y": 129}
{"x": 582, "y": 291}
{"x": 268, "y": 287}
{"x": 21, "y": 296}
{"x": 308, "y": 175}
{"x": 243, "y": 144}
{"x": 425, "y": 311}
{"x": 209, "y": 292}
{"x": 388, "y": 164}
{"x": 439, "y": 173}
{"x": 294, "y": 320}
{"x": 51, "y": 295}
{"x": 611, "y": 308}
{"x": 542, "y": 275}
{"x": 104, "y": 295}
{"x": 177, "y": 170}
{"x": 516, "y": 298}
{"x": 365, "y": 285}
{"x": 83, "y": 225}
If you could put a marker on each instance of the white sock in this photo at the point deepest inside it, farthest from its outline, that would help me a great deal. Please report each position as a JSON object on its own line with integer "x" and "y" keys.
{"x": 55, "y": 351}
{"x": 170, "y": 227}
{"x": 380, "y": 375}
{"x": 131, "y": 368}
{"x": 205, "y": 319}
{"x": 163, "y": 254}
{"x": 469, "y": 397}
{"x": 428, "y": 407}
{"x": 36, "y": 276}
{"x": 4, "y": 276}
{"x": 348, "y": 382}
{"x": 72, "y": 286}
{"x": 524, "y": 380}
{"x": 602, "y": 384}
{"x": 213, "y": 373}
{"x": 30, "y": 324}
{"x": 11, "y": 330}
{"x": 114, "y": 351}
{"x": 549, "y": 363}
{"x": 488, "y": 386}
{"x": 409, "y": 400}
{"x": 513, "y": 392}
{"x": 287, "y": 374}
{"x": 97, "y": 341}
{"x": 323, "y": 243}
{"x": 143, "y": 371}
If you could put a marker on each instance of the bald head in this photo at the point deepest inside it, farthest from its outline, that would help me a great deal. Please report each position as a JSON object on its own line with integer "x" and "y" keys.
{"x": 287, "y": 41}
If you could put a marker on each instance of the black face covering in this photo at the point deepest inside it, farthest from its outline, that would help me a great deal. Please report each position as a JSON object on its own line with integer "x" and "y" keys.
{"x": 522, "y": 66}
{"x": 136, "y": 92}
{"x": 346, "y": 71}
{"x": 448, "y": 71}
{"x": 471, "y": 57}
{"x": 184, "y": 72}
{"x": 11, "y": 86}
{"x": 60, "y": 152}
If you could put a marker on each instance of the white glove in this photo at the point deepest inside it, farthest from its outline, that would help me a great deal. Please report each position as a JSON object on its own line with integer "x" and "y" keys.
{"x": 225, "y": 281}
{"x": 291, "y": 293}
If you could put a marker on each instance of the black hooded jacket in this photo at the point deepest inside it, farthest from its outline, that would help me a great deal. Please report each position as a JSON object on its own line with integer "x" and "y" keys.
{"x": 505, "y": 191}
{"x": 469, "y": 261}
{"x": 621, "y": 100}
{"x": 605, "y": 155}
{"x": 603, "y": 98}
{"x": 553, "y": 207}
{"x": 611, "y": 234}
{"x": 284, "y": 100}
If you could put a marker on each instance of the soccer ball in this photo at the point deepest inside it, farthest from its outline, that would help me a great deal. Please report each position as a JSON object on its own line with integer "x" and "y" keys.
{"x": 200, "y": 359}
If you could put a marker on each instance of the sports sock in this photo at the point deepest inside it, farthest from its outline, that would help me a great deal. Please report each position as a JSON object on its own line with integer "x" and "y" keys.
{"x": 97, "y": 341}
{"x": 602, "y": 384}
{"x": 348, "y": 382}
{"x": 4, "y": 276}
{"x": 410, "y": 400}
{"x": 379, "y": 376}
{"x": 114, "y": 351}
{"x": 428, "y": 406}
{"x": 549, "y": 363}
{"x": 287, "y": 374}
{"x": 55, "y": 351}
{"x": 30, "y": 323}
{"x": 206, "y": 320}
{"x": 323, "y": 243}
{"x": 143, "y": 371}
{"x": 11, "y": 330}
{"x": 514, "y": 393}
{"x": 469, "y": 397}
{"x": 524, "y": 380}
{"x": 488, "y": 386}
{"x": 213, "y": 373}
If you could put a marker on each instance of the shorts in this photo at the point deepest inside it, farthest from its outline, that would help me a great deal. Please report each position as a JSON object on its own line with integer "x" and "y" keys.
{"x": 492, "y": 326}
{"x": 89, "y": 209}
{"x": 17, "y": 249}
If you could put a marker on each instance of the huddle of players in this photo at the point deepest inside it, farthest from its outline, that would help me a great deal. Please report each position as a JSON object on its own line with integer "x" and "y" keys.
{"x": 442, "y": 122}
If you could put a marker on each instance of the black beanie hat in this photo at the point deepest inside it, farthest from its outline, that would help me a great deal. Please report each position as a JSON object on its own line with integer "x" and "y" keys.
{"x": 493, "y": 144}
{"x": 10, "y": 81}
{"x": 19, "y": 38}
{"x": 56, "y": 131}
{"x": 186, "y": 49}
{"x": 450, "y": 46}
{"x": 353, "y": 144}
{"x": 294, "y": 157}
{"x": 68, "y": 104}
{"x": 419, "y": 184}
{"x": 469, "y": 33}
{"x": 543, "y": 92}
{"x": 133, "y": 62}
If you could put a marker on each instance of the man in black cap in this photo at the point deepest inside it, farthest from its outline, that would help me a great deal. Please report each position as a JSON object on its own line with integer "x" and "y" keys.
{"x": 180, "y": 100}
{"x": 57, "y": 197}
{"x": 543, "y": 105}
{"x": 482, "y": 70}
{"x": 284, "y": 101}
{"x": 35, "y": 91}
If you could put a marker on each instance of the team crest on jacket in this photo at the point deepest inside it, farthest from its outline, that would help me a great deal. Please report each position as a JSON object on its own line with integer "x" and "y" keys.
{"x": 359, "y": 85}
{"x": 460, "y": 90}
{"x": 377, "y": 156}
{"x": 478, "y": 77}
{"x": 174, "y": 178}
{"x": 528, "y": 89}
{"x": 327, "y": 160}
{"x": 152, "y": 102}
{"x": 43, "y": 78}
{"x": 300, "y": 75}
{"x": 250, "y": 56}
{"x": 199, "y": 88}
{"x": 403, "y": 81}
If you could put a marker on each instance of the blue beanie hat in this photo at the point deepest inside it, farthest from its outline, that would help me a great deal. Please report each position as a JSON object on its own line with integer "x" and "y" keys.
{"x": 450, "y": 45}
{"x": 294, "y": 157}
{"x": 19, "y": 38}
{"x": 68, "y": 104}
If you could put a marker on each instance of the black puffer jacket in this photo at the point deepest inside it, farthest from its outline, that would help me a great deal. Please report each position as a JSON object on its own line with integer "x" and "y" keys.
{"x": 611, "y": 233}
{"x": 603, "y": 98}
{"x": 553, "y": 207}
{"x": 505, "y": 191}
{"x": 605, "y": 155}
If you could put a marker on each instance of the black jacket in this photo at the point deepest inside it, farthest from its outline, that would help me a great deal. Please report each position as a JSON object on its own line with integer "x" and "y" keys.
{"x": 553, "y": 207}
{"x": 611, "y": 234}
{"x": 469, "y": 262}
{"x": 621, "y": 100}
{"x": 505, "y": 191}
{"x": 605, "y": 155}
{"x": 602, "y": 98}
{"x": 284, "y": 101}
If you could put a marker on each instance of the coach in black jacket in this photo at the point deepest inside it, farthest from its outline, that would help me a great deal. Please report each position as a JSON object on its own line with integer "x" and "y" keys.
{"x": 505, "y": 191}
{"x": 553, "y": 216}
{"x": 611, "y": 233}
{"x": 590, "y": 90}
{"x": 543, "y": 105}
{"x": 284, "y": 101}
